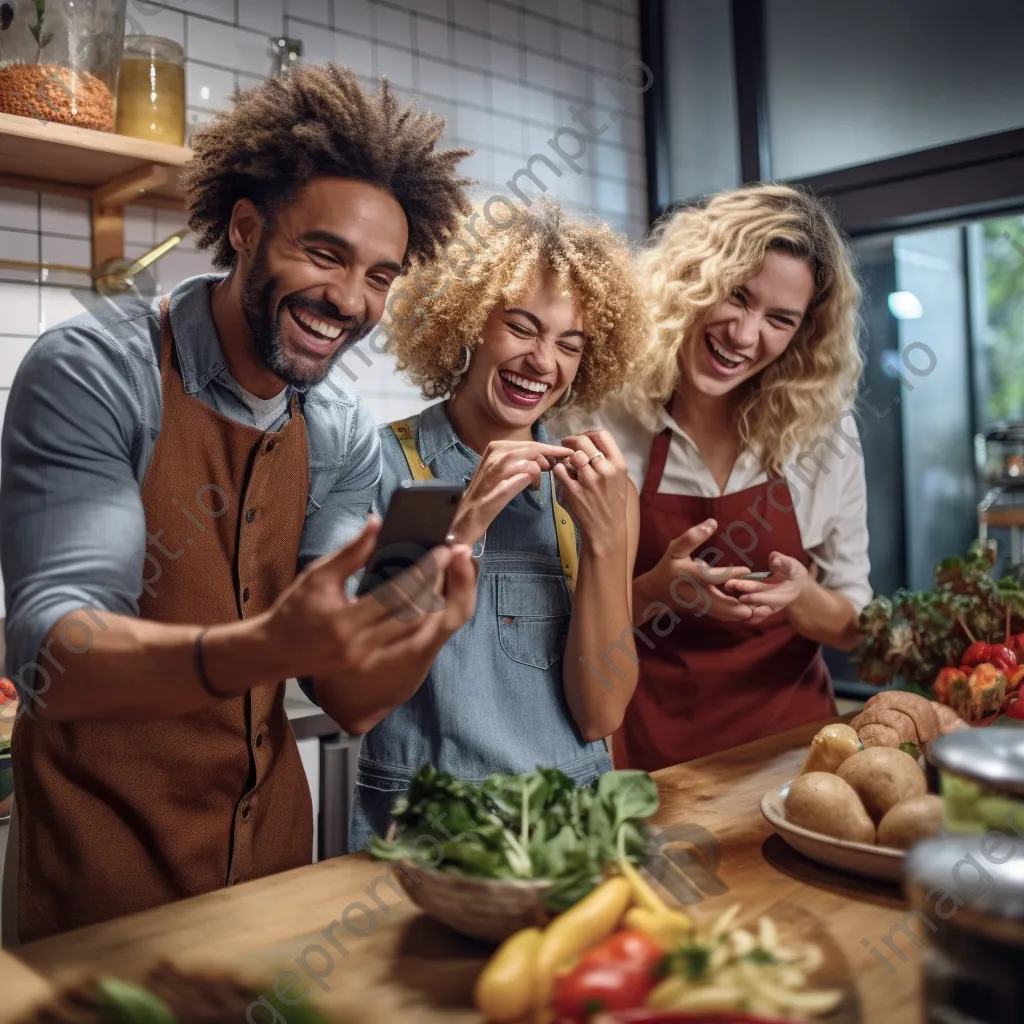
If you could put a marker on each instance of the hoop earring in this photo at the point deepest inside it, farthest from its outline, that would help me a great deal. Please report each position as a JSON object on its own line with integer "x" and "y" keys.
{"x": 465, "y": 363}
{"x": 565, "y": 399}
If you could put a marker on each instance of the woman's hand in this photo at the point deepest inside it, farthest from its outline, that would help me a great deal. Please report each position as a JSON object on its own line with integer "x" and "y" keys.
{"x": 506, "y": 468}
{"x": 788, "y": 581}
{"x": 594, "y": 482}
{"x": 687, "y": 582}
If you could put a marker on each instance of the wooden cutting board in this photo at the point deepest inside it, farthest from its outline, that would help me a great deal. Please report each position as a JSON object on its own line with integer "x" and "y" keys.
{"x": 22, "y": 989}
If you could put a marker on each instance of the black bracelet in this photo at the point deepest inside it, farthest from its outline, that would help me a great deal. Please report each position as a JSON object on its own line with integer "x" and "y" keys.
{"x": 204, "y": 679}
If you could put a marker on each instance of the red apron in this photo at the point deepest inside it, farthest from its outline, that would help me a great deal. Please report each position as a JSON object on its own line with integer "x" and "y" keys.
{"x": 707, "y": 685}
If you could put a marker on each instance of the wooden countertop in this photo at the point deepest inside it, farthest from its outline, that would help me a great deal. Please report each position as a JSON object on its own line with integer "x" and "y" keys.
{"x": 403, "y": 957}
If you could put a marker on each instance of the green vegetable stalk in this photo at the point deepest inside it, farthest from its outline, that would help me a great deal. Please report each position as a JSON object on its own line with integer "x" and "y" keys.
{"x": 533, "y": 826}
{"x": 43, "y": 39}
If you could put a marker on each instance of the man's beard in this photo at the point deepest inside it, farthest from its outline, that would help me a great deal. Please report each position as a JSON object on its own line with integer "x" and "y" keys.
{"x": 257, "y": 304}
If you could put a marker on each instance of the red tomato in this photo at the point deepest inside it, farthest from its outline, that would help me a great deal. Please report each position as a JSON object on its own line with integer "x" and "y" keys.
{"x": 1016, "y": 709}
{"x": 625, "y": 948}
{"x": 7, "y": 689}
{"x": 598, "y": 987}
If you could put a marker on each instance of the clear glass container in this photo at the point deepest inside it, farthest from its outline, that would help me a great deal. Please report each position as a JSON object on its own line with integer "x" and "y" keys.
{"x": 151, "y": 94}
{"x": 59, "y": 60}
{"x": 981, "y": 773}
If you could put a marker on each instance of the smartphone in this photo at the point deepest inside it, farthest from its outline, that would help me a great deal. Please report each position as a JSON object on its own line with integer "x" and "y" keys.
{"x": 419, "y": 517}
{"x": 756, "y": 576}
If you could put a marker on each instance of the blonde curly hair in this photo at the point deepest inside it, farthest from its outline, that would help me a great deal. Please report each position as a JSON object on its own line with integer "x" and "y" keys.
{"x": 698, "y": 256}
{"x": 437, "y": 309}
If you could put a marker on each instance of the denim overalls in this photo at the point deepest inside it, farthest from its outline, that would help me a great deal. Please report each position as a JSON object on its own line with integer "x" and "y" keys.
{"x": 493, "y": 700}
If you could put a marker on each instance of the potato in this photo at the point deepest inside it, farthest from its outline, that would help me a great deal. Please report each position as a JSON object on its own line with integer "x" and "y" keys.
{"x": 832, "y": 745}
{"x": 882, "y": 778}
{"x": 910, "y": 821}
{"x": 822, "y": 802}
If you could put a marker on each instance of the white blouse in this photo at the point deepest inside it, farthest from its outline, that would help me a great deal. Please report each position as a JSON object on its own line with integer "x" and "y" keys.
{"x": 826, "y": 481}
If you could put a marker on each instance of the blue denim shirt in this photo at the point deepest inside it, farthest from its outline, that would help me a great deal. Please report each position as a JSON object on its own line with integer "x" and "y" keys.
{"x": 493, "y": 700}
{"x": 82, "y": 421}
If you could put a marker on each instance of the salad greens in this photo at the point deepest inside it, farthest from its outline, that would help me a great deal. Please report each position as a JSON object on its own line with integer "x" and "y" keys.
{"x": 533, "y": 826}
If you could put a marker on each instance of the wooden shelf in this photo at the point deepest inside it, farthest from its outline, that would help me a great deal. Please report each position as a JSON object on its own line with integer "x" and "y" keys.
{"x": 43, "y": 154}
{"x": 110, "y": 170}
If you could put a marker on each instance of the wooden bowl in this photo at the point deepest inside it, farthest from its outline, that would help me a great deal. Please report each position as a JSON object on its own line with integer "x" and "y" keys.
{"x": 482, "y": 908}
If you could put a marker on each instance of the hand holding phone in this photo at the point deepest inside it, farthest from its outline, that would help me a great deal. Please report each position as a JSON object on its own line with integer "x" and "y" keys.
{"x": 419, "y": 518}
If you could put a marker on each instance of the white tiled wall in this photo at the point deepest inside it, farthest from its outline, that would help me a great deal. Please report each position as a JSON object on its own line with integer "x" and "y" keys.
{"x": 504, "y": 73}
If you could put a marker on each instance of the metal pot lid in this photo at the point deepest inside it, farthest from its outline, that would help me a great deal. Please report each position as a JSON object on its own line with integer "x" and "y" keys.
{"x": 1005, "y": 432}
{"x": 972, "y": 883}
{"x": 993, "y": 756}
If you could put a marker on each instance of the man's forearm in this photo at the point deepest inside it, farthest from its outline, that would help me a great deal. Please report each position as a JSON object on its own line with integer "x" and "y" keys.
{"x": 135, "y": 670}
{"x": 826, "y": 616}
{"x": 358, "y": 704}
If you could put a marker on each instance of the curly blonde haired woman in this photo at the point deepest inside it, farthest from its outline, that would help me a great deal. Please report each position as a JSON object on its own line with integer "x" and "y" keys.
{"x": 735, "y": 429}
{"x": 531, "y": 310}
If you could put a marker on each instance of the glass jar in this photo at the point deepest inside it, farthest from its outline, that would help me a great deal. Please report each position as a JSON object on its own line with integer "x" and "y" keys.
{"x": 981, "y": 779}
{"x": 151, "y": 94}
{"x": 59, "y": 60}
{"x": 966, "y": 898}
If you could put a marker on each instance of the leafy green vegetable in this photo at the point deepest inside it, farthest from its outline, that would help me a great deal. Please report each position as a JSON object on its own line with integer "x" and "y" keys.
{"x": 911, "y": 749}
{"x": 126, "y": 1003}
{"x": 533, "y": 826}
{"x": 912, "y": 635}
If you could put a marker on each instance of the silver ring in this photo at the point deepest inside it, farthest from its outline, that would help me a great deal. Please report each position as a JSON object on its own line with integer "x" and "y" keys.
{"x": 599, "y": 455}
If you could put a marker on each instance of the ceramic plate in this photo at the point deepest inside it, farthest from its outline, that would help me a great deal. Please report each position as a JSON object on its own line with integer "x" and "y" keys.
{"x": 877, "y": 862}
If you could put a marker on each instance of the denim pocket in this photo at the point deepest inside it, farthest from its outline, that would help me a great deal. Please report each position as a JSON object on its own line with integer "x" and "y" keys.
{"x": 533, "y": 617}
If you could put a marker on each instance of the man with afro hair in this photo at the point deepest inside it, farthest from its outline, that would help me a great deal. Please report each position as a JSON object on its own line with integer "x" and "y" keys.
{"x": 180, "y": 492}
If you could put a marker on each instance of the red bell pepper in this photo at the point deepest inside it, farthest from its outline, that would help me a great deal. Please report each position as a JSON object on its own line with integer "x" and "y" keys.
{"x": 1015, "y": 709}
{"x": 1016, "y": 644}
{"x": 1002, "y": 657}
{"x": 976, "y": 654}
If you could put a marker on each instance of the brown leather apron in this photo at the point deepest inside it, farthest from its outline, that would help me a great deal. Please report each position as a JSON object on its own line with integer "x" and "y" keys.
{"x": 116, "y": 817}
{"x": 706, "y": 685}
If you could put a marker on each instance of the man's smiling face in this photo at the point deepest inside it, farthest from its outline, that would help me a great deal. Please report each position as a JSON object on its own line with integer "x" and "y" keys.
{"x": 320, "y": 275}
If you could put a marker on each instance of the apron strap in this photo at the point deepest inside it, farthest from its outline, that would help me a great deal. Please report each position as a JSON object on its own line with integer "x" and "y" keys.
{"x": 419, "y": 469}
{"x": 565, "y": 530}
{"x": 657, "y": 460}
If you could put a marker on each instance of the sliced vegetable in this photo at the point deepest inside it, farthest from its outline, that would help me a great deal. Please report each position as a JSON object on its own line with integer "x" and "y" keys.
{"x": 731, "y": 968}
{"x": 503, "y": 989}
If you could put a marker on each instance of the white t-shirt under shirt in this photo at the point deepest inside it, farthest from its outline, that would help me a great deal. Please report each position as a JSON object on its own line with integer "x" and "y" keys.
{"x": 265, "y": 411}
{"x": 826, "y": 481}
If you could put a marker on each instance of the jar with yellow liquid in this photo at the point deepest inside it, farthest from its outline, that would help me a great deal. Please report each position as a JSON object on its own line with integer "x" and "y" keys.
{"x": 151, "y": 92}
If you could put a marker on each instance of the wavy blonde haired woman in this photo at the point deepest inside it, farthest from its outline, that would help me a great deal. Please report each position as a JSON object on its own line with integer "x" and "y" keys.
{"x": 524, "y": 313}
{"x": 735, "y": 429}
